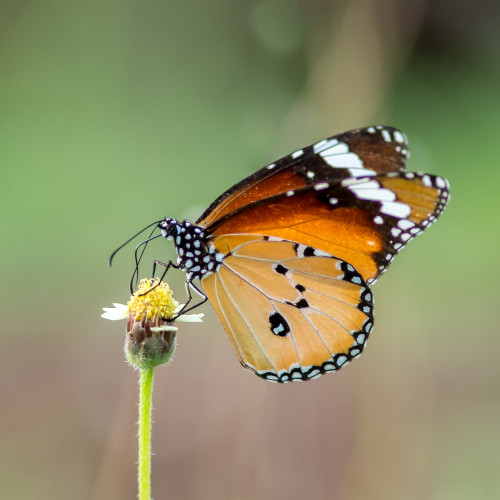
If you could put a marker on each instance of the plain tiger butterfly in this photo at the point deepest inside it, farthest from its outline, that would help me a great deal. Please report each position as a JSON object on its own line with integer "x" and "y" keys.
{"x": 286, "y": 256}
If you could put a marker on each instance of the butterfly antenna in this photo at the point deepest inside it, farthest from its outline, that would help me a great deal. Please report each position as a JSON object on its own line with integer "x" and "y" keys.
{"x": 144, "y": 244}
{"x": 130, "y": 239}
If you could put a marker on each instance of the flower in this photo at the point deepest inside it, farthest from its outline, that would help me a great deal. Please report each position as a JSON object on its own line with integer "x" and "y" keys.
{"x": 146, "y": 304}
{"x": 150, "y": 314}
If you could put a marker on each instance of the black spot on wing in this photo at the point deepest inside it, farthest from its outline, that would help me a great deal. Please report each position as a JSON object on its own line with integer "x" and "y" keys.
{"x": 278, "y": 324}
{"x": 301, "y": 304}
{"x": 309, "y": 252}
{"x": 281, "y": 269}
{"x": 350, "y": 274}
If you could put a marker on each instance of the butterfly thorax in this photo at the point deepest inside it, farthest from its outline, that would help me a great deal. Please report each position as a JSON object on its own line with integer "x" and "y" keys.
{"x": 195, "y": 254}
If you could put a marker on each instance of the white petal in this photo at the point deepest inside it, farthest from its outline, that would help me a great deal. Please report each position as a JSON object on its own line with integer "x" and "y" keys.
{"x": 164, "y": 328}
{"x": 120, "y": 311}
{"x": 191, "y": 318}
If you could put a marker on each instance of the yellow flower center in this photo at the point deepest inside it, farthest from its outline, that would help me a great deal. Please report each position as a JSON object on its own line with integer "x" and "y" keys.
{"x": 152, "y": 299}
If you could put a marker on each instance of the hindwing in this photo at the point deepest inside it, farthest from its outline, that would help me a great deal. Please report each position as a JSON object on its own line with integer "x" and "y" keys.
{"x": 291, "y": 312}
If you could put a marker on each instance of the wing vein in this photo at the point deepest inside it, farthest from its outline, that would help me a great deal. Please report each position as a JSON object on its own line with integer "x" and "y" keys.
{"x": 243, "y": 316}
{"x": 225, "y": 316}
{"x": 294, "y": 281}
{"x": 271, "y": 299}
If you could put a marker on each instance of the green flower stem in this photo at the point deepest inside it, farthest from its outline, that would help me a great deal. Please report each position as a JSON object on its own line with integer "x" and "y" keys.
{"x": 145, "y": 407}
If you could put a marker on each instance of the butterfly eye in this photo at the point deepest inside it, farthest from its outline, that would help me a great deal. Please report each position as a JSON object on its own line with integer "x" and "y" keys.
{"x": 168, "y": 227}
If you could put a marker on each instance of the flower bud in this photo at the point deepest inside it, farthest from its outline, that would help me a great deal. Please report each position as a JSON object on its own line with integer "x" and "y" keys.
{"x": 151, "y": 337}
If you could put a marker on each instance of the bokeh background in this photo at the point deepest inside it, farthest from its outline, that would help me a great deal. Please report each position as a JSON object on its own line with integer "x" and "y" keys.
{"x": 114, "y": 114}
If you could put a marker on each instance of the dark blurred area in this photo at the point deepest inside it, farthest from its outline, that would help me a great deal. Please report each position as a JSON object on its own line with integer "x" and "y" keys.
{"x": 114, "y": 114}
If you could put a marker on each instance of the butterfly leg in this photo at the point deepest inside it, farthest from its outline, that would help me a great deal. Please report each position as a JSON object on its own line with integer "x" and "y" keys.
{"x": 166, "y": 266}
{"x": 190, "y": 285}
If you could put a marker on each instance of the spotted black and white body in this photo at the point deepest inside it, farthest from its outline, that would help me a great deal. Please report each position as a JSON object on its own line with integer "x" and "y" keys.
{"x": 286, "y": 256}
{"x": 195, "y": 254}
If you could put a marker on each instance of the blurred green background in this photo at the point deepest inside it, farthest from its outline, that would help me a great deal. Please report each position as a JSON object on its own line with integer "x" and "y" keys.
{"x": 114, "y": 114}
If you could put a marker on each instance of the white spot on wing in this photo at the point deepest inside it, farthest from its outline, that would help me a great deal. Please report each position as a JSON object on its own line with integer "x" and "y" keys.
{"x": 337, "y": 155}
{"x": 386, "y": 135}
{"x": 372, "y": 191}
{"x": 341, "y": 360}
{"x": 361, "y": 172}
{"x": 324, "y": 144}
{"x": 396, "y": 209}
{"x": 405, "y": 224}
{"x": 380, "y": 194}
{"x": 320, "y": 253}
{"x": 298, "y": 153}
{"x": 361, "y": 184}
{"x": 399, "y": 137}
{"x": 440, "y": 182}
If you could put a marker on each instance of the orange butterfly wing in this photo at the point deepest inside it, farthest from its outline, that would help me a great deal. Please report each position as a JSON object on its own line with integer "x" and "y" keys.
{"x": 347, "y": 195}
{"x": 288, "y": 316}
{"x": 335, "y": 158}
{"x": 369, "y": 222}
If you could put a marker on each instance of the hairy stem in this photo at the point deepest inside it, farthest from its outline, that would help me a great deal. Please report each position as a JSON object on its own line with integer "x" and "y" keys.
{"x": 145, "y": 407}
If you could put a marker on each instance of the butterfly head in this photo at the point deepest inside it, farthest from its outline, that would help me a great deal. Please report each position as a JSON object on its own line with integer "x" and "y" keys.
{"x": 194, "y": 254}
{"x": 169, "y": 228}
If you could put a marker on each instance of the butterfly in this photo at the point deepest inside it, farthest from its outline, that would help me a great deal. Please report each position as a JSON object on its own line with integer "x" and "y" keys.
{"x": 286, "y": 256}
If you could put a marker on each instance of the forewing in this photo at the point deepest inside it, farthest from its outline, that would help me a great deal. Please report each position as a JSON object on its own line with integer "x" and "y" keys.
{"x": 357, "y": 153}
{"x": 365, "y": 221}
{"x": 289, "y": 316}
